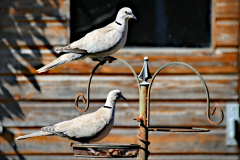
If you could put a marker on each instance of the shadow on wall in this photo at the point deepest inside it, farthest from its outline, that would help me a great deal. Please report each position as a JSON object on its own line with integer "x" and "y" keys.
{"x": 23, "y": 24}
{"x": 9, "y": 137}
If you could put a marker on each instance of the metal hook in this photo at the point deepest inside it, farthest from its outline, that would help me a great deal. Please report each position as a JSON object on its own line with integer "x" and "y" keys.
{"x": 88, "y": 89}
{"x": 221, "y": 112}
{"x": 205, "y": 87}
{"x": 84, "y": 101}
{"x": 109, "y": 59}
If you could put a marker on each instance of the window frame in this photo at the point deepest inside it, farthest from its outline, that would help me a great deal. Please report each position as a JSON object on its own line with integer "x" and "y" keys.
{"x": 178, "y": 50}
{"x": 171, "y": 50}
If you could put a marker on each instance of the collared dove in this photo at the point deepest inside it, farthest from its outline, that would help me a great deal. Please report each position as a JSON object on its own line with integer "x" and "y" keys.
{"x": 97, "y": 44}
{"x": 87, "y": 128}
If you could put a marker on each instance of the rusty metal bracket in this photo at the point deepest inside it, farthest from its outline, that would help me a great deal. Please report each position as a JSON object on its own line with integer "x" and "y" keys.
{"x": 110, "y": 60}
{"x": 205, "y": 87}
{"x": 138, "y": 119}
{"x": 179, "y": 129}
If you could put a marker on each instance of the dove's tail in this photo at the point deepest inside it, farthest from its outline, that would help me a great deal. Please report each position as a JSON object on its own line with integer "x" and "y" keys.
{"x": 36, "y": 134}
{"x": 60, "y": 60}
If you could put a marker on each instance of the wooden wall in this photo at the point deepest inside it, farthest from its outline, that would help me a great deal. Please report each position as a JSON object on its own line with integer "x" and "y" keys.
{"x": 30, "y": 30}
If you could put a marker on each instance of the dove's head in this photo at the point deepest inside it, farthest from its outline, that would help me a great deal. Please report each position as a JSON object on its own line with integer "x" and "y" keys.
{"x": 125, "y": 14}
{"x": 112, "y": 97}
{"x": 115, "y": 95}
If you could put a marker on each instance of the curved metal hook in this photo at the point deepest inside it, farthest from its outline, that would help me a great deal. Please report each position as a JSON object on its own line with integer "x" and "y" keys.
{"x": 90, "y": 79}
{"x": 221, "y": 112}
{"x": 84, "y": 101}
{"x": 88, "y": 89}
{"x": 205, "y": 87}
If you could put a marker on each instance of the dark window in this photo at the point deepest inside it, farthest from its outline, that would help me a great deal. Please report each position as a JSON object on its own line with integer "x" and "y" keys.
{"x": 160, "y": 23}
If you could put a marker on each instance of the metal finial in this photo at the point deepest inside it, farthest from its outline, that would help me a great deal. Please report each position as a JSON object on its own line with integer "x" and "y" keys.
{"x": 145, "y": 74}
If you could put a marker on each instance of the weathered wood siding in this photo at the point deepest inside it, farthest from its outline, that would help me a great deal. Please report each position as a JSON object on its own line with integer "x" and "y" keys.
{"x": 30, "y": 30}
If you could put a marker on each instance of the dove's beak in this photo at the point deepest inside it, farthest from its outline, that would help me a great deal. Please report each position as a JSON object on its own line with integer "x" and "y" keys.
{"x": 123, "y": 97}
{"x": 134, "y": 17}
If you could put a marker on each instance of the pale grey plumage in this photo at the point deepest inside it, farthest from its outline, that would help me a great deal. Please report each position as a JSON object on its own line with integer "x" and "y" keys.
{"x": 86, "y": 128}
{"x": 99, "y": 43}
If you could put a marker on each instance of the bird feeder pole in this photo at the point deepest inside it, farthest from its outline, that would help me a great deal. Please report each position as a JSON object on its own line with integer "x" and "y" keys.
{"x": 143, "y": 122}
{"x": 143, "y": 135}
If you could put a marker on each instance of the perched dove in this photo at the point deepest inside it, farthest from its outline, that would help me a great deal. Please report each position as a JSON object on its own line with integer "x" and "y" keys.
{"x": 97, "y": 44}
{"x": 87, "y": 128}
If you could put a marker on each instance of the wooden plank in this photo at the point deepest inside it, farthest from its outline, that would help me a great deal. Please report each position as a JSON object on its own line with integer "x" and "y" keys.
{"x": 34, "y": 34}
{"x": 227, "y": 32}
{"x": 227, "y": 9}
{"x": 161, "y": 142}
{"x": 27, "y": 60}
{"x": 38, "y": 114}
{"x": 34, "y": 10}
{"x": 34, "y": 22}
{"x": 65, "y": 87}
{"x": 211, "y": 142}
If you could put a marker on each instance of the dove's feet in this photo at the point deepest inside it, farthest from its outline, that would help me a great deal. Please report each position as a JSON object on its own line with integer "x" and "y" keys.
{"x": 95, "y": 59}
{"x": 108, "y": 59}
{"x": 93, "y": 151}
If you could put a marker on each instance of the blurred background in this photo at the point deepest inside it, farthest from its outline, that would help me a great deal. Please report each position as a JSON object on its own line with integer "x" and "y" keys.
{"x": 201, "y": 33}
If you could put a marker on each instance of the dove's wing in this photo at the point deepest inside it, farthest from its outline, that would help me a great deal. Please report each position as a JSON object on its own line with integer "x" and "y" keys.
{"x": 99, "y": 40}
{"x": 85, "y": 126}
{"x": 88, "y": 126}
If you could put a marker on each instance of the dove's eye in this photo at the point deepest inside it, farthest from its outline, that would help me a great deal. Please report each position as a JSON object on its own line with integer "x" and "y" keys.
{"x": 126, "y": 12}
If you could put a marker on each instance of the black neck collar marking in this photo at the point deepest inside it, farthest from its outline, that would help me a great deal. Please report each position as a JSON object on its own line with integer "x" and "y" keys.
{"x": 118, "y": 23}
{"x": 108, "y": 107}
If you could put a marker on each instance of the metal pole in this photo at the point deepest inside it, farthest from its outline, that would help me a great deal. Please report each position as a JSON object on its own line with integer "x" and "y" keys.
{"x": 143, "y": 135}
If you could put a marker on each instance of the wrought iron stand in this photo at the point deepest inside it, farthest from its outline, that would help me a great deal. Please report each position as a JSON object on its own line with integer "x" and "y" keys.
{"x": 108, "y": 150}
